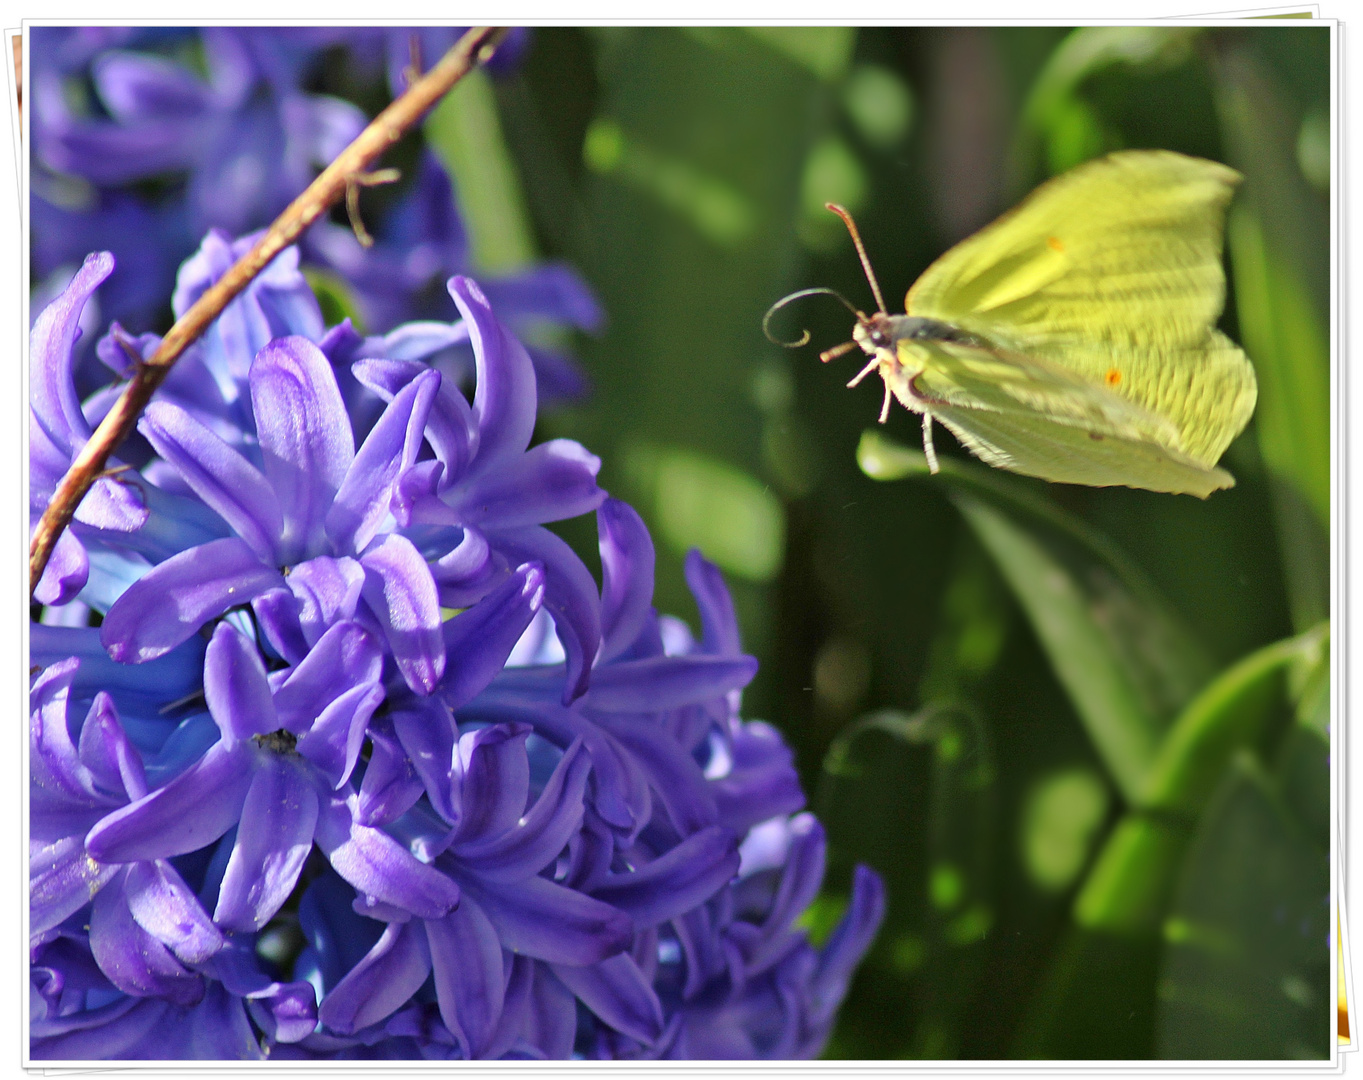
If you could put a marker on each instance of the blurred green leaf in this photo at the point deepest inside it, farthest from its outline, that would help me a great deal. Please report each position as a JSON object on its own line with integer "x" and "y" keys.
{"x": 1127, "y": 890}
{"x": 824, "y": 50}
{"x": 1279, "y": 246}
{"x": 335, "y": 297}
{"x": 1118, "y": 650}
{"x": 1060, "y": 819}
{"x": 466, "y": 134}
{"x": 879, "y": 103}
{"x": 1246, "y": 966}
{"x": 705, "y": 503}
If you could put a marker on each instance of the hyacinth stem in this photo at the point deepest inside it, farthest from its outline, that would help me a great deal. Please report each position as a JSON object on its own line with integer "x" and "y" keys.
{"x": 331, "y": 185}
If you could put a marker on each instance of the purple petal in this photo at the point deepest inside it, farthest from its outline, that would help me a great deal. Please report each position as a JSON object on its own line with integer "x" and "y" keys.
{"x": 218, "y": 474}
{"x": 401, "y": 593}
{"x": 345, "y": 657}
{"x": 135, "y": 961}
{"x": 719, "y": 624}
{"x": 549, "y": 291}
{"x": 105, "y": 750}
{"x": 61, "y": 881}
{"x": 627, "y": 560}
{"x": 672, "y": 772}
{"x": 762, "y": 781}
{"x": 466, "y": 959}
{"x": 428, "y": 735}
{"x": 375, "y": 988}
{"x": 391, "y": 784}
{"x": 851, "y": 937}
{"x": 277, "y": 613}
{"x": 58, "y": 775}
{"x": 478, "y": 641}
{"x": 466, "y": 572}
{"x": 492, "y": 772}
{"x": 551, "y": 1023}
{"x": 113, "y": 503}
{"x": 66, "y": 572}
{"x": 278, "y": 819}
{"x": 549, "y": 482}
{"x": 450, "y": 426}
{"x": 687, "y": 875}
{"x": 305, "y": 435}
{"x": 550, "y": 922}
{"x": 504, "y": 402}
{"x": 534, "y": 842}
{"x": 327, "y": 591}
{"x": 52, "y": 393}
{"x": 136, "y": 87}
{"x": 362, "y": 502}
{"x": 376, "y": 864}
{"x": 570, "y": 595}
{"x": 334, "y": 741}
{"x": 165, "y": 907}
{"x": 235, "y": 687}
{"x": 190, "y": 812}
{"x": 164, "y": 607}
{"x": 667, "y": 682}
{"x": 617, "y": 992}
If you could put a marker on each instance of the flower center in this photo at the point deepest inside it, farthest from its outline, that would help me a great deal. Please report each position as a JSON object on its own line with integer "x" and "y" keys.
{"x": 281, "y": 741}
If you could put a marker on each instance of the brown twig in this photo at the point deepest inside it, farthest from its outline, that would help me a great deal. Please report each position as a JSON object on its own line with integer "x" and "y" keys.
{"x": 383, "y": 132}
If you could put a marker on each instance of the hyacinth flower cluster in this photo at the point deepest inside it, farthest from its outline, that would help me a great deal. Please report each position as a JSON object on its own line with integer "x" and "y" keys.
{"x": 338, "y": 752}
{"x": 145, "y": 138}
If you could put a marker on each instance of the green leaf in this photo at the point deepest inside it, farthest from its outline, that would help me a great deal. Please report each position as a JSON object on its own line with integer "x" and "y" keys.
{"x": 1279, "y": 246}
{"x": 466, "y": 134}
{"x": 1246, "y": 965}
{"x": 1122, "y": 656}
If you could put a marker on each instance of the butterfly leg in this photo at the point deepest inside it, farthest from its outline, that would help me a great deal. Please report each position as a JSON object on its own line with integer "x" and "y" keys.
{"x": 875, "y": 362}
{"x": 929, "y": 451}
{"x": 885, "y": 405}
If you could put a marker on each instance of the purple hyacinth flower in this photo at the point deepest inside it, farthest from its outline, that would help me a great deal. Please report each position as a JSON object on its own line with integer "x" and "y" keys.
{"x": 59, "y": 429}
{"x": 287, "y": 746}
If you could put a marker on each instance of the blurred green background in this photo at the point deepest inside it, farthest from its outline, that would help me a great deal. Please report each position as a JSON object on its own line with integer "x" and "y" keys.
{"x": 1082, "y": 732}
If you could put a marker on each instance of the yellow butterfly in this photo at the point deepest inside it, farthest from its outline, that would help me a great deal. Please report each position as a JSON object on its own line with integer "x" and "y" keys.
{"x": 1073, "y": 338}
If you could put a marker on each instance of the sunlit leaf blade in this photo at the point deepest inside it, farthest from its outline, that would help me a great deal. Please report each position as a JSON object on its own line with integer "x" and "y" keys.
{"x": 1245, "y": 972}
{"x": 1122, "y": 656}
{"x": 1279, "y": 247}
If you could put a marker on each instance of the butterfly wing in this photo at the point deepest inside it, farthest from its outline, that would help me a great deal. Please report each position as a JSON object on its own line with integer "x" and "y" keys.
{"x": 1034, "y": 417}
{"x": 1112, "y": 272}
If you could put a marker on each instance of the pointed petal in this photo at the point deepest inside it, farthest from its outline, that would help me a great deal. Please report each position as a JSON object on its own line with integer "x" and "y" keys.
{"x": 376, "y": 864}
{"x": 627, "y": 561}
{"x": 850, "y": 938}
{"x": 235, "y": 688}
{"x": 667, "y": 682}
{"x": 327, "y": 591}
{"x": 190, "y": 812}
{"x": 381, "y": 983}
{"x": 334, "y": 741}
{"x": 66, "y": 572}
{"x": 617, "y": 992}
{"x": 401, "y": 593}
{"x": 165, "y": 907}
{"x": 278, "y": 819}
{"x": 134, "y": 961}
{"x": 450, "y": 426}
{"x": 166, "y": 605}
{"x": 113, "y": 503}
{"x": 105, "y": 750}
{"x": 551, "y": 922}
{"x": 687, "y": 875}
{"x": 52, "y": 393}
{"x": 549, "y": 482}
{"x": 62, "y": 879}
{"x": 305, "y": 435}
{"x": 362, "y": 502}
{"x": 391, "y": 784}
{"x": 478, "y": 641}
{"x": 492, "y": 772}
{"x": 465, "y": 573}
{"x": 552, "y": 1021}
{"x": 762, "y": 781}
{"x": 672, "y": 772}
{"x": 570, "y": 595}
{"x": 466, "y": 959}
{"x": 345, "y": 657}
{"x": 534, "y": 842}
{"x": 504, "y": 401}
{"x": 277, "y": 612}
{"x": 218, "y": 474}
{"x": 719, "y": 624}
{"x": 428, "y": 735}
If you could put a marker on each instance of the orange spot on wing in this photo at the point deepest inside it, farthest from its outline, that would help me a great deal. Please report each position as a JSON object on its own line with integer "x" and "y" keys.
{"x": 1054, "y": 244}
{"x": 1113, "y": 377}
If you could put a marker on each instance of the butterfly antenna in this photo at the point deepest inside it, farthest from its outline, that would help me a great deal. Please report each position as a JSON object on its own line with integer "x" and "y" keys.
{"x": 861, "y": 253}
{"x": 803, "y": 339}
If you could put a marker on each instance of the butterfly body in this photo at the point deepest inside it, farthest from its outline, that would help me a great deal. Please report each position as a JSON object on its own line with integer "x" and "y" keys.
{"x": 1074, "y": 338}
